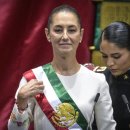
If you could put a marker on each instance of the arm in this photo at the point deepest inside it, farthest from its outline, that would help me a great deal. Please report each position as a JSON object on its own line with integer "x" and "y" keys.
{"x": 23, "y": 108}
{"x": 21, "y": 120}
{"x": 104, "y": 110}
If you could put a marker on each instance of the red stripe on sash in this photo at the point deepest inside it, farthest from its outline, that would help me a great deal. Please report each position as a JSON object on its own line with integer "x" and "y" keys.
{"x": 42, "y": 101}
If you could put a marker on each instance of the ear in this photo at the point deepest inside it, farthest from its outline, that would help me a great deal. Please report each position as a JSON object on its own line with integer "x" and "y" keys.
{"x": 81, "y": 35}
{"x": 47, "y": 34}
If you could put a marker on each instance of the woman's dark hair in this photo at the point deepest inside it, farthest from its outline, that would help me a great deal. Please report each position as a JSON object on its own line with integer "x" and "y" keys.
{"x": 66, "y": 8}
{"x": 117, "y": 33}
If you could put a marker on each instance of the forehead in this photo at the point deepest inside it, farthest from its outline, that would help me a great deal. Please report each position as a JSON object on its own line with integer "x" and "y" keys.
{"x": 111, "y": 48}
{"x": 65, "y": 18}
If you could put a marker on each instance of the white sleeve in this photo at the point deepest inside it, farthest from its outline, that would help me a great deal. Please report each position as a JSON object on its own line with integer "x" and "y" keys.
{"x": 104, "y": 110}
{"x": 20, "y": 121}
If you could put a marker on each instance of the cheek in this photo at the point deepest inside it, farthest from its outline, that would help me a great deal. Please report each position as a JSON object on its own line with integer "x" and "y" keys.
{"x": 76, "y": 38}
{"x": 124, "y": 62}
{"x": 55, "y": 38}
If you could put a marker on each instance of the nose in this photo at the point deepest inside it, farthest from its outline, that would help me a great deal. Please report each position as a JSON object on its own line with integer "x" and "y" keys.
{"x": 110, "y": 62}
{"x": 65, "y": 35}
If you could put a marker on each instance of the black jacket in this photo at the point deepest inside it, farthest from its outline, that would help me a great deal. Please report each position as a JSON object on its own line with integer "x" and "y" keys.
{"x": 118, "y": 86}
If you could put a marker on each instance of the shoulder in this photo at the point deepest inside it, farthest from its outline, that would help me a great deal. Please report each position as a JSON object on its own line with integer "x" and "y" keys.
{"x": 39, "y": 68}
{"x": 99, "y": 79}
{"x": 33, "y": 73}
{"x": 101, "y": 70}
{"x": 93, "y": 74}
{"x": 98, "y": 69}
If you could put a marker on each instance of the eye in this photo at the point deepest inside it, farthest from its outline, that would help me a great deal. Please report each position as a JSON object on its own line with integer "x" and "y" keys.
{"x": 58, "y": 30}
{"x": 104, "y": 56}
{"x": 72, "y": 30}
{"x": 116, "y": 56}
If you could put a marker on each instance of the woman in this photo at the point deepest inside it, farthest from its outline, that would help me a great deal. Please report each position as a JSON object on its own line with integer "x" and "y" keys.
{"x": 115, "y": 49}
{"x": 63, "y": 93}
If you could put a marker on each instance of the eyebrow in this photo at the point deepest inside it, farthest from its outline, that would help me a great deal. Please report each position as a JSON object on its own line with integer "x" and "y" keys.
{"x": 58, "y": 26}
{"x": 68, "y": 26}
{"x": 111, "y": 54}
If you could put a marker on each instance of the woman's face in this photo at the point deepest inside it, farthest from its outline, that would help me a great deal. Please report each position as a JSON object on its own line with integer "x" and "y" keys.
{"x": 65, "y": 33}
{"x": 116, "y": 59}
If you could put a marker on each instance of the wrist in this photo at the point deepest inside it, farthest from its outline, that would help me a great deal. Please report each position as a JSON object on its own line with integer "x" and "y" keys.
{"x": 21, "y": 105}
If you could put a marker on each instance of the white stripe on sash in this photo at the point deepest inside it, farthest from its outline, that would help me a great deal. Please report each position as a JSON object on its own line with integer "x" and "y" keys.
{"x": 48, "y": 90}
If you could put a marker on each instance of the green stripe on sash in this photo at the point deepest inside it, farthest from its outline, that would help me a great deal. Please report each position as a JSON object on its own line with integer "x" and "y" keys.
{"x": 62, "y": 93}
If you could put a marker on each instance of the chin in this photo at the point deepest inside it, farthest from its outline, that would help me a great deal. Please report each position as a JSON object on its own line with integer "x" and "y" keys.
{"x": 66, "y": 50}
{"x": 116, "y": 73}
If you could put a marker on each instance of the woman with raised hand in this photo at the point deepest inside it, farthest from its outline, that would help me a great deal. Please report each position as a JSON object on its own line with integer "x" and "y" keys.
{"x": 61, "y": 94}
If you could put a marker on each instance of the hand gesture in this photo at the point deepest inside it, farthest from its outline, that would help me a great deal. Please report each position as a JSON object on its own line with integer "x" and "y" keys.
{"x": 31, "y": 89}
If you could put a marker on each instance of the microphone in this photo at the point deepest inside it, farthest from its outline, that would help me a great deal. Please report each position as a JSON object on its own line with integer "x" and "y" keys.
{"x": 95, "y": 101}
{"x": 97, "y": 97}
{"x": 126, "y": 102}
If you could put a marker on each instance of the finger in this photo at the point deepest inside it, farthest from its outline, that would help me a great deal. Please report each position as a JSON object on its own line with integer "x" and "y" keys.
{"x": 40, "y": 82}
{"x": 35, "y": 92}
{"x": 34, "y": 82}
{"x": 36, "y": 87}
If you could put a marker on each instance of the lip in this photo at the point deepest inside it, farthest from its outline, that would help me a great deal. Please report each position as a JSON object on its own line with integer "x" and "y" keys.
{"x": 113, "y": 70}
{"x": 64, "y": 44}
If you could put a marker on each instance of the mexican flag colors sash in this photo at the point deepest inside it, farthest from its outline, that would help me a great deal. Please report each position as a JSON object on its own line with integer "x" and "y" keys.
{"x": 56, "y": 103}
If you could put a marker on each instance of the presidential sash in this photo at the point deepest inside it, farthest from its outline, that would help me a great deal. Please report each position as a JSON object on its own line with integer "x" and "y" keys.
{"x": 56, "y": 103}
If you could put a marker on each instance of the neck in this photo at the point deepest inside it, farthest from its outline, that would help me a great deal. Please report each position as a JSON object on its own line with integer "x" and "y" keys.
{"x": 65, "y": 66}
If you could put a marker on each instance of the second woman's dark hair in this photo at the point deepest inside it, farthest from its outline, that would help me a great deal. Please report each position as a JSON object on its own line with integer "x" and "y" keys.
{"x": 117, "y": 33}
